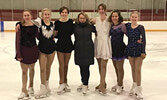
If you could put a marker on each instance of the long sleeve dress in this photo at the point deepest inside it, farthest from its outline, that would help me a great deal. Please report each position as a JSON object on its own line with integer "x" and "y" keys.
{"x": 83, "y": 44}
{"x": 134, "y": 49}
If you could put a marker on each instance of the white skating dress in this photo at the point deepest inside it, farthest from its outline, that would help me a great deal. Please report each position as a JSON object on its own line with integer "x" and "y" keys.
{"x": 102, "y": 42}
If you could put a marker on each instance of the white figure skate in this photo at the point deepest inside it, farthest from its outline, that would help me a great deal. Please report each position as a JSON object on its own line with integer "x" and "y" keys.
{"x": 67, "y": 88}
{"x": 114, "y": 88}
{"x": 119, "y": 89}
{"x": 47, "y": 86}
{"x": 138, "y": 93}
{"x": 131, "y": 92}
{"x": 43, "y": 92}
{"x": 31, "y": 91}
{"x": 84, "y": 89}
{"x": 23, "y": 96}
{"x": 80, "y": 88}
{"x": 61, "y": 89}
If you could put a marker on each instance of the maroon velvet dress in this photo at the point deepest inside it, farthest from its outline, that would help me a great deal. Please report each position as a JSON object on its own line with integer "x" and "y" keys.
{"x": 26, "y": 46}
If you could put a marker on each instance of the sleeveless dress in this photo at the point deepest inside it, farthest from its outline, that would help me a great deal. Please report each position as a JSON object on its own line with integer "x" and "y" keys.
{"x": 102, "y": 41}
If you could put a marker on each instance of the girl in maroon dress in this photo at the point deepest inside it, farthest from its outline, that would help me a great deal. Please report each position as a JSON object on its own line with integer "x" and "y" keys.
{"x": 27, "y": 52}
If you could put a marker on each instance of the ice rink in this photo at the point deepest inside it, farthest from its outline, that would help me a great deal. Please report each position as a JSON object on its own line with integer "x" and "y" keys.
{"x": 154, "y": 73}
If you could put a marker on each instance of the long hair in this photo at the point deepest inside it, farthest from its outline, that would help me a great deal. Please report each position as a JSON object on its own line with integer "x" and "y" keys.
{"x": 85, "y": 15}
{"x": 23, "y": 21}
{"x": 120, "y": 19}
{"x": 103, "y": 6}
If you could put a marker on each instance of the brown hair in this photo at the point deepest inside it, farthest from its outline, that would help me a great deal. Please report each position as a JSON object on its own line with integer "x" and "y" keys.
{"x": 23, "y": 21}
{"x": 120, "y": 19}
{"x": 84, "y": 14}
{"x": 63, "y": 8}
{"x": 103, "y": 6}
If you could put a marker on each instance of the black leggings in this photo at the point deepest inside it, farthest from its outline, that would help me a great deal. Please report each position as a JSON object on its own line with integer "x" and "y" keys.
{"x": 85, "y": 73}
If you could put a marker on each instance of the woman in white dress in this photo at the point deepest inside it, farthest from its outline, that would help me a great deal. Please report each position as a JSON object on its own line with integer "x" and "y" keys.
{"x": 102, "y": 45}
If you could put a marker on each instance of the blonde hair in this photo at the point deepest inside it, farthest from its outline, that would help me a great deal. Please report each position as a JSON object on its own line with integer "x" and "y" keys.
{"x": 23, "y": 21}
{"x": 43, "y": 10}
{"x": 85, "y": 15}
{"x": 135, "y": 12}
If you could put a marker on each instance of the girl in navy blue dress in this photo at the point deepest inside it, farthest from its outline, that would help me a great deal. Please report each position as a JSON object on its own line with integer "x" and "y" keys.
{"x": 136, "y": 51}
{"x": 64, "y": 47}
{"x": 118, "y": 47}
{"x": 27, "y": 52}
{"x": 47, "y": 50}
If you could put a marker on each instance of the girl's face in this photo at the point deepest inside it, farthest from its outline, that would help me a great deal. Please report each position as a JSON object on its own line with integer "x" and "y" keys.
{"x": 27, "y": 16}
{"x": 134, "y": 18}
{"x": 115, "y": 18}
{"x": 82, "y": 19}
{"x": 101, "y": 11}
{"x": 64, "y": 13}
{"x": 46, "y": 15}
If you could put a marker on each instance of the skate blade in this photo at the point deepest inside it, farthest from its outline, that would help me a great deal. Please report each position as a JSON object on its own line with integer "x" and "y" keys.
{"x": 42, "y": 96}
{"x": 131, "y": 94}
{"x": 104, "y": 94}
{"x": 139, "y": 98}
{"x": 59, "y": 93}
{"x": 113, "y": 90}
{"x": 84, "y": 94}
{"x": 79, "y": 89}
{"x": 67, "y": 90}
{"x": 25, "y": 98}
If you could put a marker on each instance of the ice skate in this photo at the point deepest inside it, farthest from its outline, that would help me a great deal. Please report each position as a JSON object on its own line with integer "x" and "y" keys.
{"x": 47, "y": 86}
{"x": 43, "y": 92}
{"x": 102, "y": 89}
{"x": 114, "y": 88}
{"x": 61, "y": 89}
{"x": 23, "y": 96}
{"x": 131, "y": 92}
{"x": 31, "y": 91}
{"x": 119, "y": 89}
{"x": 138, "y": 92}
{"x": 67, "y": 88}
{"x": 80, "y": 88}
{"x": 84, "y": 89}
{"x": 97, "y": 87}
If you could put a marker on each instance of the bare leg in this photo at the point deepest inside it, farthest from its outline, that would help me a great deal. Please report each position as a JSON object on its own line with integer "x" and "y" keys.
{"x": 138, "y": 65}
{"x": 50, "y": 59}
{"x": 66, "y": 60}
{"x": 99, "y": 64}
{"x": 116, "y": 70}
{"x": 31, "y": 74}
{"x": 132, "y": 63}
{"x": 120, "y": 72}
{"x": 60, "y": 57}
{"x": 102, "y": 87}
{"x": 42, "y": 63}
{"x": 24, "y": 68}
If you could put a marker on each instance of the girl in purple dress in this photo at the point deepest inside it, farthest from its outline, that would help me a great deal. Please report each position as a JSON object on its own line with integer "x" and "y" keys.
{"x": 118, "y": 47}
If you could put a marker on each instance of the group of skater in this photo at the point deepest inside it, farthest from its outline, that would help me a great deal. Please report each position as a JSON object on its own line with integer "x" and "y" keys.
{"x": 108, "y": 44}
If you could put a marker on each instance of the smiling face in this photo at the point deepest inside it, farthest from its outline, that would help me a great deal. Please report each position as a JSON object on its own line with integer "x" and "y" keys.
{"x": 134, "y": 18}
{"x": 27, "y": 16}
{"x": 101, "y": 10}
{"x": 46, "y": 15}
{"x": 115, "y": 18}
{"x": 64, "y": 13}
{"x": 82, "y": 18}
